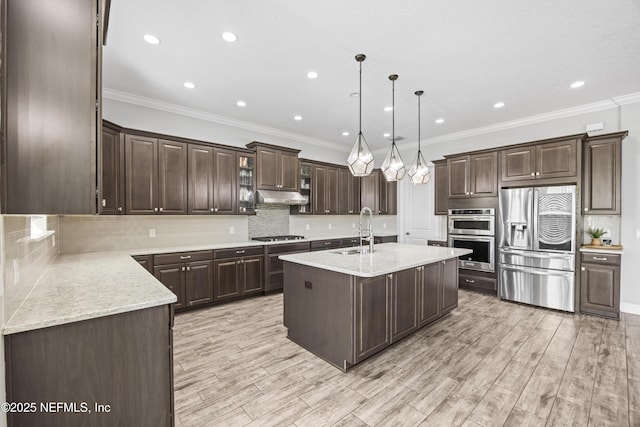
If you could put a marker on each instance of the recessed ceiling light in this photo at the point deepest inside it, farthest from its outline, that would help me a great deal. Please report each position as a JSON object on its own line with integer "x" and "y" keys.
{"x": 354, "y": 94}
{"x": 387, "y": 108}
{"x": 151, "y": 39}
{"x": 189, "y": 85}
{"x": 241, "y": 104}
{"x": 387, "y": 135}
{"x": 312, "y": 75}
{"x": 345, "y": 133}
{"x": 577, "y": 84}
{"x": 498, "y": 105}
{"x": 438, "y": 121}
{"x": 229, "y": 37}
{"x": 297, "y": 118}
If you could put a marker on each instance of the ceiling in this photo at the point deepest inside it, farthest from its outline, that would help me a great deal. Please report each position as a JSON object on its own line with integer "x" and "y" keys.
{"x": 466, "y": 56}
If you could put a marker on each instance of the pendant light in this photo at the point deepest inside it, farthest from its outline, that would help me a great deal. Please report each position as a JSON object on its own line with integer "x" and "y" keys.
{"x": 393, "y": 168}
{"x": 419, "y": 172}
{"x": 360, "y": 160}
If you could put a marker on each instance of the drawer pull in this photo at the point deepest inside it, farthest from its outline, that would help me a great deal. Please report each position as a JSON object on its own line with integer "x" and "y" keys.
{"x": 469, "y": 281}
{"x": 600, "y": 258}
{"x": 185, "y": 256}
{"x": 327, "y": 243}
{"x": 240, "y": 252}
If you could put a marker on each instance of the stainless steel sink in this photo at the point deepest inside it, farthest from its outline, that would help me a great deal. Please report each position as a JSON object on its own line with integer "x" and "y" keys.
{"x": 351, "y": 251}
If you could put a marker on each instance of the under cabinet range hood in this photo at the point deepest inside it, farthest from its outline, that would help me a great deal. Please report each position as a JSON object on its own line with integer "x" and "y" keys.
{"x": 281, "y": 197}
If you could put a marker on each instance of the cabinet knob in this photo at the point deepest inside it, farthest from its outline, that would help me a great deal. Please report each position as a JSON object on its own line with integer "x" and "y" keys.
{"x": 182, "y": 268}
{"x": 471, "y": 193}
{"x": 104, "y": 203}
{"x": 586, "y": 209}
{"x": 155, "y": 209}
{"x": 215, "y": 209}
{"x": 161, "y": 209}
{"x": 467, "y": 193}
{"x": 582, "y": 269}
{"x": 537, "y": 173}
{"x": 188, "y": 268}
{"x": 533, "y": 174}
{"x": 119, "y": 208}
{"x": 390, "y": 276}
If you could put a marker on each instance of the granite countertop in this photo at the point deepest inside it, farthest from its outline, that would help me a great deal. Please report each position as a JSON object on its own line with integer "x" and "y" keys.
{"x": 82, "y": 286}
{"x": 386, "y": 258}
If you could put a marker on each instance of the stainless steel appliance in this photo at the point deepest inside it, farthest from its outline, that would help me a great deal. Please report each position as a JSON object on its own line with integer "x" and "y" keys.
{"x": 536, "y": 237}
{"x": 473, "y": 229}
{"x": 479, "y": 222}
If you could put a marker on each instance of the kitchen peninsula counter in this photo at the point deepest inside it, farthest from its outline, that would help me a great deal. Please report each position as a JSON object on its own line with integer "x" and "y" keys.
{"x": 345, "y": 308}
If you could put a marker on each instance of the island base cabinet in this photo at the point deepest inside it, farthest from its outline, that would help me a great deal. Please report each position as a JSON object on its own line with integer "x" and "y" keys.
{"x": 345, "y": 319}
{"x": 372, "y": 312}
{"x": 123, "y": 362}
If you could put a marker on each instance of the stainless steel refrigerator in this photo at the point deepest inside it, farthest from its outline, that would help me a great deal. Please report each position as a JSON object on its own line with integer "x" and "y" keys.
{"x": 536, "y": 255}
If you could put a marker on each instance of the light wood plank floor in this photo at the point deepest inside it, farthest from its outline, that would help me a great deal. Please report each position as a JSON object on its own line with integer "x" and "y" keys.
{"x": 489, "y": 363}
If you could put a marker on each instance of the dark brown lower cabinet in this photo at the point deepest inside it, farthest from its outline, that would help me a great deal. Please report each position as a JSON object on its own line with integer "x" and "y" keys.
{"x": 479, "y": 281}
{"x": 600, "y": 285}
{"x": 146, "y": 261}
{"x": 238, "y": 272}
{"x": 189, "y": 275}
{"x": 372, "y": 315}
{"x": 430, "y": 285}
{"x": 123, "y": 362}
{"x": 275, "y": 270}
{"x": 405, "y": 303}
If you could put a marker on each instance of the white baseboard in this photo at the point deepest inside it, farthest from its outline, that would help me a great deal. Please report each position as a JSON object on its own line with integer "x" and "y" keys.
{"x": 626, "y": 307}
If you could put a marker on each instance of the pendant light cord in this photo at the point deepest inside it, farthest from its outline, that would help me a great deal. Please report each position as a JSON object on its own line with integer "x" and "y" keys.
{"x": 419, "y": 124}
{"x": 393, "y": 112}
{"x": 360, "y": 99}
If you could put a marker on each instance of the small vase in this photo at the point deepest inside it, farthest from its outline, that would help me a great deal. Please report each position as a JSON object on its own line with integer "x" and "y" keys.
{"x": 595, "y": 242}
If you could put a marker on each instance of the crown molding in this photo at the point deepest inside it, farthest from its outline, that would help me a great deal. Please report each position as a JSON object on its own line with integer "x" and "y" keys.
{"x": 168, "y": 107}
{"x": 539, "y": 118}
{"x": 630, "y": 98}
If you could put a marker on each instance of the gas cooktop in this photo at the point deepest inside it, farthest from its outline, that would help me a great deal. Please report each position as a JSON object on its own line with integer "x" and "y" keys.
{"x": 278, "y": 238}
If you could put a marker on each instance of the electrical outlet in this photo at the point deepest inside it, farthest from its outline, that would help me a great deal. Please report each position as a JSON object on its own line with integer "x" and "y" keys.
{"x": 306, "y": 227}
{"x": 329, "y": 226}
{"x": 152, "y": 232}
{"x": 384, "y": 225}
{"x": 353, "y": 225}
{"x": 232, "y": 230}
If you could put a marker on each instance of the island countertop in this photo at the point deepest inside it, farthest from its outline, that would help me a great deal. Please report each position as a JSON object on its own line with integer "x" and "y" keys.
{"x": 386, "y": 258}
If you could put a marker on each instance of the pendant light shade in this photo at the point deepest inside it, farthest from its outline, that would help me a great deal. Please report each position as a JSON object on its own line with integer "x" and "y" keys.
{"x": 393, "y": 168}
{"x": 360, "y": 160}
{"x": 418, "y": 171}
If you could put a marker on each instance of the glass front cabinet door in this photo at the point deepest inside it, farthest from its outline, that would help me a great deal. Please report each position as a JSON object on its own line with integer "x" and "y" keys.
{"x": 246, "y": 183}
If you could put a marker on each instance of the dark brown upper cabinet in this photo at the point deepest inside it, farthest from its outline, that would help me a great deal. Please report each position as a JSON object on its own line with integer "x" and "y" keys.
{"x": 156, "y": 176}
{"x": 370, "y": 191}
{"x": 473, "y": 175}
{"x": 325, "y": 189}
{"x": 602, "y": 174}
{"x": 441, "y": 184}
{"x": 51, "y": 106}
{"x": 348, "y": 192}
{"x": 277, "y": 167}
{"x": 556, "y": 159}
{"x": 111, "y": 170}
{"x": 212, "y": 180}
{"x": 388, "y": 198}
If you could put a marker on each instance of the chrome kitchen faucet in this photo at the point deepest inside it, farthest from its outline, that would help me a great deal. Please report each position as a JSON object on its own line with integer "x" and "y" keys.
{"x": 369, "y": 230}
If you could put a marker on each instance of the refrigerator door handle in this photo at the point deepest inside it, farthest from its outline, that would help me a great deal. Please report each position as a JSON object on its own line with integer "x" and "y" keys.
{"x": 532, "y": 254}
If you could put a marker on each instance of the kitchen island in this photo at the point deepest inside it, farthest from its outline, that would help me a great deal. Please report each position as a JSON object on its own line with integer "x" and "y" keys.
{"x": 345, "y": 306}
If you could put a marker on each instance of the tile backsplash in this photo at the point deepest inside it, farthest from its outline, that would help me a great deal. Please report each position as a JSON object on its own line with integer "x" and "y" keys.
{"x": 103, "y": 233}
{"x": 25, "y": 259}
{"x": 611, "y": 223}
{"x": 339, "y": 225}
{"x": 269, "y": 220}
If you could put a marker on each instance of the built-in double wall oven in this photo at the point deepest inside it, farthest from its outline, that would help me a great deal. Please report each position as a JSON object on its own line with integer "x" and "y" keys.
{"x": 474, "y": 229}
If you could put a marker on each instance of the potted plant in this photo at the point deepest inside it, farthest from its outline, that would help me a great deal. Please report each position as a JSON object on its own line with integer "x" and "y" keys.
{"x": 596, "y": 234}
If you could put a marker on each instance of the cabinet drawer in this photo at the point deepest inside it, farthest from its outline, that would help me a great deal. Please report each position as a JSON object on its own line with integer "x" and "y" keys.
{"x": 601, "y": 258}
{"x": 353, "y": 241}
{"x": 288, "y": 247}
{"x": 476, "y": 282}
{"x": 319, "y": 245}
{"x": 440, "y": 243}
{"x": 238, "y": 252}
{"x": 179, "y": 257}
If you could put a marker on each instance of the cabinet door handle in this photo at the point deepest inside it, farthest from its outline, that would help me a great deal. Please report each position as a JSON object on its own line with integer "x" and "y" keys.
{"x": 469, "y": 281}
{"x": 351, "y": 211}
{"x": 583, "y": 269}
{"x": 104, "y": 203}
{"x": 537, "y": 173}
{"x": 215, "y": 209}
{"x": 240, "y": 252}
{"x": 211, "y": 210}
{"x": 161, "y": 209}
{"x": 155, "y": 209}
{"x": 185, "y": 256}
{"x": 390, "y": 276}
{"x": 182, "y": 269}
{"x": 533, "y": 174}
{"x": 188, "y": 268}
{"x": 471, "y": 193}
{"x": 600, "y": 258}
{"x": 586, "y": 209}
{"x": 443, "y": 262}
{"x": 119, "y": 208}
